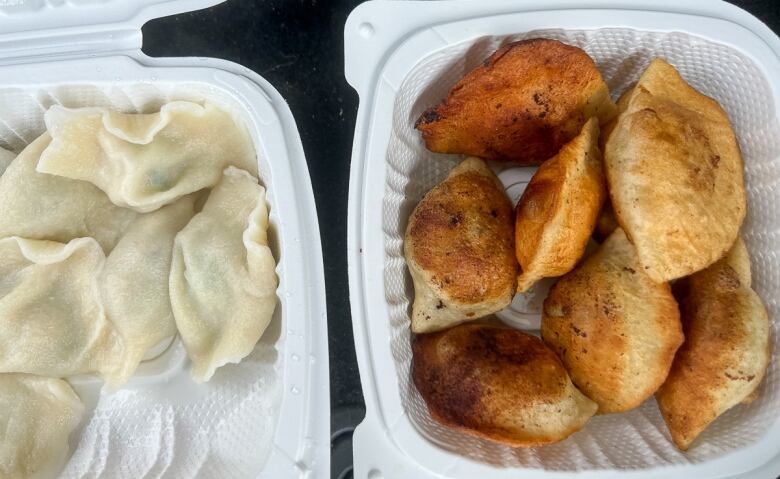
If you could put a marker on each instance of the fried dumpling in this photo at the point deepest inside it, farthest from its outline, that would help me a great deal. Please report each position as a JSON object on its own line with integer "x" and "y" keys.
{"x": 6, "y": 157}
{"x": 521, "y": 105}
{"x": 726, "y": 350}
{"x": 558, "y": 210}
{"x": 499, "y": 384}
{"x": 37, "y": 415}
{"x": 675, "y": 175}
{"x": 134, "y": 281}
{"x": 614, "y": 328}
{"x": 459, "y": 248}
{"x": 145, "y": 161}
{"x": 51, "y": 320}
{"x": 223, "y": 279}
{"x": 48, "y": 207}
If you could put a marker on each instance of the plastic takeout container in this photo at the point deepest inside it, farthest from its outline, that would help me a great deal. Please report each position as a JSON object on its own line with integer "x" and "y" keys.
{"x": 266, "y": 417}
{"x": 403, "y": 57}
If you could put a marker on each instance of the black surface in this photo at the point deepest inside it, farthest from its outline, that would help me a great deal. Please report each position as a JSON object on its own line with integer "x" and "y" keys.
{"x": 298, "y": 46}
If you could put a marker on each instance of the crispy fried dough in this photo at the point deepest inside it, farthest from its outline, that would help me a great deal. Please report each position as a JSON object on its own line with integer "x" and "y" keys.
{"x": 459, "y": 247}
{"x": 614, "y": 328}
{"x": 726, "y": 349}
{"x": 675, "y": 175}
{"x": 499, "y": 384}
{"x": 558, "y": 210}
{"x": 521, "y": 105}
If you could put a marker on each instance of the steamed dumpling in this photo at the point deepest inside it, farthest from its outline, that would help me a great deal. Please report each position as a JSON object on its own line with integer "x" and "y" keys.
{"x": 134, "y": 281}
{"x": 222, "y": 282}
{"x": 37, "y": 414}
{"x": 145, "y": 161}
{"x": 47, "y": 207}
{"x": 51, "y": 319}
{"x": 726, "y": 350}
{"x": 6, "y": 157}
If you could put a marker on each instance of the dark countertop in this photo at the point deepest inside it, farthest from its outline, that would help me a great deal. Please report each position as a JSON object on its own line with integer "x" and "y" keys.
{"x": 297, "y": 45}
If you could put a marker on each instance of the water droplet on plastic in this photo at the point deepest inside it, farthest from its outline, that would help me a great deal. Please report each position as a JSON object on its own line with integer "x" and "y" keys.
{"x": 295, "y": 390}
{"x": 295, "y": 357}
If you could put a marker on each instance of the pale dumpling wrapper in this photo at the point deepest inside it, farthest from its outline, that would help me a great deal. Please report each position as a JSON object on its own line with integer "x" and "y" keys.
{"x": 6, "y": 157}
{"x": 47, "y": 207}
{"x": 223, "y": 280}
{"x": 37, "y": 414}
{"x": 51, "y": 320}
{"x": 134, "y": 281}
{"x": 675, "y": 175}
{"x": 145, "y": 161}
{"x": 726, "y": 350}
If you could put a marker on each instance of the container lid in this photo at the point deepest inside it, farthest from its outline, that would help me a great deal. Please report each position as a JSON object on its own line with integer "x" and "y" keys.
{"x": 36, "y": 18}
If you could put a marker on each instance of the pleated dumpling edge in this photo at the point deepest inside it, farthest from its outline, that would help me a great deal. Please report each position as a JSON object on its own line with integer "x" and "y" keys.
{"x": 223, "y": 280}
{"x": 145, "y": 161}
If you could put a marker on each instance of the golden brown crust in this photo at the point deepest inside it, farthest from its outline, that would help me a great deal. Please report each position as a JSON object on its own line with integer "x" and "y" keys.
{"x": 726, "y": 349}
{"x": 460, "y": 249}
{"x": 521, "y": 105}
{"x": 557, "y": 213}
{"x": 613, "y": 327}
{"x": 499, "y": 384}
{"x": 675, "y": 175}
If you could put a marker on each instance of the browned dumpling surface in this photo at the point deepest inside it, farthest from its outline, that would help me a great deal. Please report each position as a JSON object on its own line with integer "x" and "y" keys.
{"x": 521, "y": 105}
{"x": 614, "y": 328}
{"x": 557, "y": 212}
{"x": 675, "y": 175}
{"x": 459, "y": 247}
{"x": 498, "y": 383}
{"x": 726, "y": 349}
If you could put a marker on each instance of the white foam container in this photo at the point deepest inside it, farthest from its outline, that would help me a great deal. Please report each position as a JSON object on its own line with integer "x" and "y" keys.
{"x": 88, "y": 53}
{"x": 385, "y": 42}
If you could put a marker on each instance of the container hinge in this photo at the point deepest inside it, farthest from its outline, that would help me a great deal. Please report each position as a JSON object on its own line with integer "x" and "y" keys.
{"x": 35, "y": 46}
